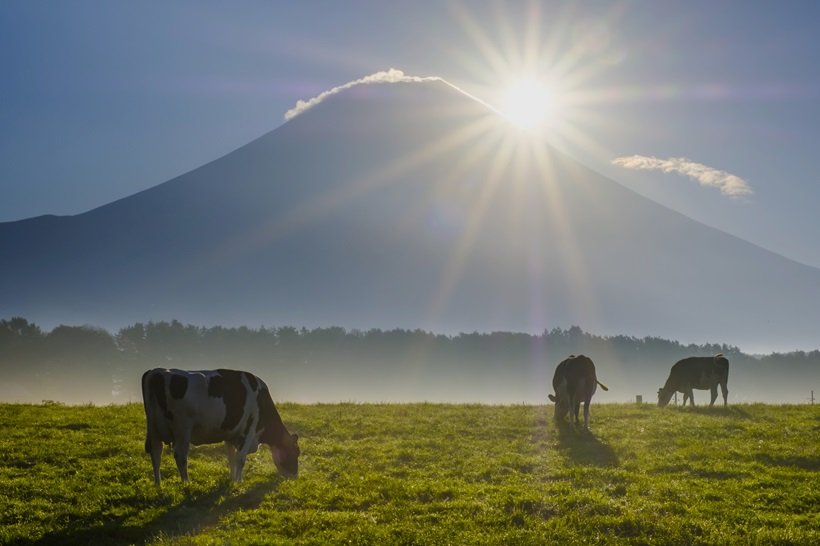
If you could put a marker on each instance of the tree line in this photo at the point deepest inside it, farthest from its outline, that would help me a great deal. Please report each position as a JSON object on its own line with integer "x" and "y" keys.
{"x": 77, "y": 364}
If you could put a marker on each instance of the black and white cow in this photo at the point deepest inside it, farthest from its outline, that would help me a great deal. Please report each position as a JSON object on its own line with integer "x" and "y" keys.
{"x": 696, "y": 372}
{"x": 574, "y": 380}
{"x": 210, "y": 406}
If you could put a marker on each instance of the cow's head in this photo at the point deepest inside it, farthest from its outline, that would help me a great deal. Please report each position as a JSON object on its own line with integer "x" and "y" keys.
{"x": 561, "y": 407}
{"x": 561, "y": 399}
{"x": 664, "y": 396}
{"x": 286, "y": 454}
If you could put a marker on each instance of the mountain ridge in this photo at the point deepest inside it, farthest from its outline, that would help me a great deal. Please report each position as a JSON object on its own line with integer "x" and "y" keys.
{"x": 403, "y": 205}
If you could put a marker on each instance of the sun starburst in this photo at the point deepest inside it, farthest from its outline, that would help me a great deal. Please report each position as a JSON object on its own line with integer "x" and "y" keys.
{"x": 528, "y": 103}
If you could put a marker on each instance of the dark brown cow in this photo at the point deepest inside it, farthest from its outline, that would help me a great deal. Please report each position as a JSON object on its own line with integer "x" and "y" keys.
{"x": 696, "y": 372}
{"x": 574, "y": 381}
{"x": 210, "y": 406}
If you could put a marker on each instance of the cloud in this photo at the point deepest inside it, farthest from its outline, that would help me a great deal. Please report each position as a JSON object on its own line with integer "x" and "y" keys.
{"x": 385, "y": 76}
{"x": 728, "y": 183}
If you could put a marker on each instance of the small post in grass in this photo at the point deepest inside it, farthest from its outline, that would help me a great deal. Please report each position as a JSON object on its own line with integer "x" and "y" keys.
{"x": 639, "y": 399}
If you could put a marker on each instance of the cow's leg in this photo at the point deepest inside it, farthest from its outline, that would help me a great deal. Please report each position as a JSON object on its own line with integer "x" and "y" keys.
{"x": 182, "y": 444}
{"x": 236, "y": 459}
{"x": 155, "y": 447}
{"x": 231, "y": 450}
{"x": 725, "y": 390}
{"x": 714, "y": 396}
{"x": 240, "y": 464}
{"x": 249, "y": 445}
{"x": 586, "y": 414}
{"x": 576, "y": 410}
{"x": 691, "y": 398}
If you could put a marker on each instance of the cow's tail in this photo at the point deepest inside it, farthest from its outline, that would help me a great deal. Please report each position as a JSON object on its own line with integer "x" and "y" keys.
{"x": 602, "y": 385}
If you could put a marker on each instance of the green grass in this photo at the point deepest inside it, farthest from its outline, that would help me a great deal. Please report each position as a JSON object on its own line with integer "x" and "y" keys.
{"x": 424, "y": 474}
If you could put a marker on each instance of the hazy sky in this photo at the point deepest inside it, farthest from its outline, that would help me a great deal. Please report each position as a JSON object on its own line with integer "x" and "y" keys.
{"x": 710, "y": 108}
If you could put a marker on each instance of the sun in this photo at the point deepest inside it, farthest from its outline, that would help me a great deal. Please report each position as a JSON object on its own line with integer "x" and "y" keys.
{"x": 528, "y": 103}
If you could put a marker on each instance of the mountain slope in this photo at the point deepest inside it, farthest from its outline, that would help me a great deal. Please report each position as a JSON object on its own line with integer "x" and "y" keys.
{"x": 404, "y": 205}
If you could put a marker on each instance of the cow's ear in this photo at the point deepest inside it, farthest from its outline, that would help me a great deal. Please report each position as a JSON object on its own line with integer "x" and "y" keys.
{"x": 552, "y": 398}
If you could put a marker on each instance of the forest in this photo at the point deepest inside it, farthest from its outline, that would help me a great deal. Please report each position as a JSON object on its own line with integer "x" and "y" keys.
{"x": 86, "y": 364}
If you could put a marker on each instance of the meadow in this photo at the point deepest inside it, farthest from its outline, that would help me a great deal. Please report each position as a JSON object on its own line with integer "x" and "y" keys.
{"x": 424, "y": 474}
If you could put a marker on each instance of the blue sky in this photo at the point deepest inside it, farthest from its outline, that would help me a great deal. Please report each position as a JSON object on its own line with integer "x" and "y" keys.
{"x": 99, "y": 100}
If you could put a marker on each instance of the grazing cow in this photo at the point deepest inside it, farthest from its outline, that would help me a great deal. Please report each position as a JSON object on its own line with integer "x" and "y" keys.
{"x": 574, "y": 381}
{"x": 696, "y": 372}
{"x": 210, "y": 406}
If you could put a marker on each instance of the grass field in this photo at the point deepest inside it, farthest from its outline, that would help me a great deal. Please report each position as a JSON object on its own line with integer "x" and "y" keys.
{"x": 424, "y": 474}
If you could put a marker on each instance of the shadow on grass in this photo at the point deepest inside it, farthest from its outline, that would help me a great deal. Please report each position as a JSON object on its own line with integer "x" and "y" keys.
{"x": 717, "y": 474}
{"x": 583, "y": 447}
{"x": 795, "y": 461}
{"x": 730, "y": 411}
{"x": 195, "y": 512}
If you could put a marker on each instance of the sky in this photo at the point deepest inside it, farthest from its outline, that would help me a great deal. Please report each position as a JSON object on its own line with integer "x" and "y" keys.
{"x": 709, "y": 108}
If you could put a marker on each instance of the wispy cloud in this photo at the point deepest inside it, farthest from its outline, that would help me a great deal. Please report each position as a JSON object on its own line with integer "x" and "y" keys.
{"x": 728, "y": 183}
{"x": 385, "y": 76}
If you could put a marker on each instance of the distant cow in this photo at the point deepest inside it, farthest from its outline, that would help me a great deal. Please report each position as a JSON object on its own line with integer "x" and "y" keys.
{"x": 574, "y": 381}
{"x": 210, "y": 406}
{"x": 696, "y": 372}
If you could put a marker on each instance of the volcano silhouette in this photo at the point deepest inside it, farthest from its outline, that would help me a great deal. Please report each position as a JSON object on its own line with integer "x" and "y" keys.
{"x": 404, "y": 205}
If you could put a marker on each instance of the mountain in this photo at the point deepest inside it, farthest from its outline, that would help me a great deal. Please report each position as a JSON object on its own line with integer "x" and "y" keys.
{"x": 404, "y": 205}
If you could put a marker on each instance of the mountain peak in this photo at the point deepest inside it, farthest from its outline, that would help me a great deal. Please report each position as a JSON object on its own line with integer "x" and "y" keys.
{"x": 402, "y": 204}
{"x": 390, "y": 76}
